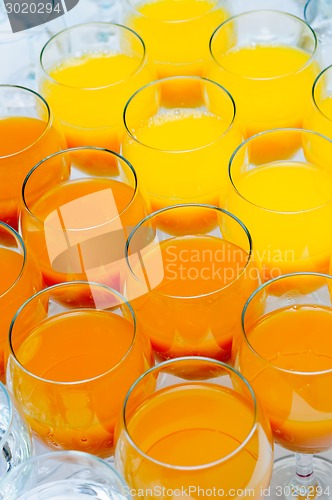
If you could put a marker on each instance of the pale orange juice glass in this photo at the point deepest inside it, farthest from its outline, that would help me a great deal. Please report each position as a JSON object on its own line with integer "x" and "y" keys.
{"x": 74, "y": 352}
{"x": 20, "y": 279}
{"x": 77, "y": 228}
{"x": 281, "y": 189}
{"x": 181, "y": 133}
{"x": 319, "y": 113}
{"x": 286, "y": 355}
{"x": 268, "y": 62}
{"x": 28, "y": 135}
{"x": 176, "y": 32}
{"x": 188, "y": 288}
{"x": 88, "y": 73}
{"x": 192, "y": 434}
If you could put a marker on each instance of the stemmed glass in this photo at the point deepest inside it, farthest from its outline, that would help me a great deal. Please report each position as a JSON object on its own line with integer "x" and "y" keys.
{"x": 267, "y": 60}
{"x": 188, "y": 286}
{"x": 198, "y": 429}
{"x": 286, "y": 355}
{"x": 77, "y": 226}
{"x": 63, "y": 475}
{"x": 75, "y": 349}
{"x": 15, "y": 438}
{"x": 281, "y": 186}
{"x": 318, "y": 14}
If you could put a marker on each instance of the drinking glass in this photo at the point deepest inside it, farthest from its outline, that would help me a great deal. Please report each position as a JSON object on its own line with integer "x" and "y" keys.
{"x": 88, "y": 73}
{"x": 77, "y": 228}
{"x": 15, "y": 439}
{"x": 62, "y": 476}
{"x": 317, "y": 14}
{"x": 286, "y": 355}
{"x": 74, "y": 352}
{"x": 194, "y": 434}
{"x": 268, "y": 62}
{"x": 281, "y": 185}
{"x": 319, "y": 113}
{"x": 170, "y": 31}
{"x": 181, "y": 132}
{"x": 20, "y": 279}
{"x": 188, "y": 287}
{"x": 27, "y": 134}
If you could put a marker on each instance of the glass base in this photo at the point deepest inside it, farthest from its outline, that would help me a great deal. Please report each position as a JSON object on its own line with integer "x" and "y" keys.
{"x": 285, "y": 485}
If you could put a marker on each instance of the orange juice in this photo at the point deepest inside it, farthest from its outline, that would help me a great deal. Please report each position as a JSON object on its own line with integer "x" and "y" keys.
{"x": 195, "y": 425}
{"x": 19, "y": 280}
{"x": 181, "y": 156}
{"x": 169, "y": 29}
{"x": 88, "y": 95}
{"x": 271, "y": 84}
{"x": 320, "y": 118}
{"x": 299, "y": 405}
{"x": 79, "y": 228}
{"x": 24, "y": 142}
{"x": 77, "y": 399}
{"x": 286, "y": 207}
{"x": 190, "y": 294}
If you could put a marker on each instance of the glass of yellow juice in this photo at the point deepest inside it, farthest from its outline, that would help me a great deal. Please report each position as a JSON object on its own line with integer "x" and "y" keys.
{"x": 268, "y": 62}
{"x": 181, "y": 132}
{"x": 286, "y": 355}
{"x": 188, "y": 287}
{"x": 77, "y": 227}
{"x": 170, "y": 30}
{"x": 88, "y": 72}
{"x": 28, "y": 134}
{"x": 319, "y": 113}
{"x": 75, "y": 349}
{"x": 281, "y": 188}
{"x": 194, "y": 434}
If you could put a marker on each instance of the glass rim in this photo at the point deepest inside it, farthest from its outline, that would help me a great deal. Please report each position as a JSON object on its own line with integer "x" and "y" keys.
{"x": 5, "y": 435}
{"x": 273, "y": 12}
{"x": 85, "y": 25}
{"x": 20, "y": 245}
{"x": 48, "y": 122}
{"x": 258, "y": 136}
{"x": 305, "y": 11}
{"x": 314, "y": 87}
{"x": 49, "y": 290}
{"x": 174, "y": 21}
{"x": 160, "y": 367}
{"x": 173, "y": 78}
{"x": 252, "y": 297}
{"x": 184, "y": 206}
{"x": 73, "y": 150}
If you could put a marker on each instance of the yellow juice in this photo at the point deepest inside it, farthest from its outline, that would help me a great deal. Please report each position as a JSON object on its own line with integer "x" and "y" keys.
{"x": 170, "y": 30}
{"x": 181, "y": 156}
{"x": 88, "y": 94}
{"x": 287, "y": 209}
{"x": 320, "y": 119}
{"x": 271, "y": 85}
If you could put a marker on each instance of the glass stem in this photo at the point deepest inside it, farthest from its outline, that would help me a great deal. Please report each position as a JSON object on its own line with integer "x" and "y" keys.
{"x": 304, "y": 468}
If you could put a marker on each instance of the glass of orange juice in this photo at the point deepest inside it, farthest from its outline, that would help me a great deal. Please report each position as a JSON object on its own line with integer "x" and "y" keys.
{"x": 20, "y": 278}
{"x": 64, "y": 475}
{"x": 286, "y": 355}
{"x": 77, "y": 228}
{"x": 194, "y": 434}
{"x": 181, "y": 132}
{"x": 281, "y": 188}
{"x": 27, "y": 135}
{"x": 15, "y": 438}
{"x": 188, "y": 287}
{"x": 74, "y": 352}
{"x": 268, "y": 62}
{"x": 319, "y": 114}
{"x": 170, "y": 30}
{"x": 88, "y": 72}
